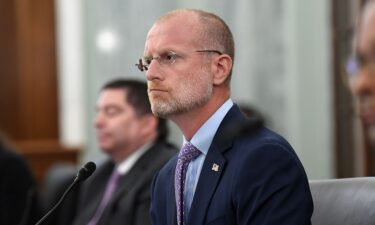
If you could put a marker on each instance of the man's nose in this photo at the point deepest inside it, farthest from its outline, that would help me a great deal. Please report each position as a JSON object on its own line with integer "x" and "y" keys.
{"x": 99, "y": 121}
{"x": 153, "y": 72}
{"x": 363, "y": 81}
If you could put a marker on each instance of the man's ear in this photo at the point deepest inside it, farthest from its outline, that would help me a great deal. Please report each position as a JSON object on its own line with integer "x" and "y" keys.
{"x": 221, "y": 66}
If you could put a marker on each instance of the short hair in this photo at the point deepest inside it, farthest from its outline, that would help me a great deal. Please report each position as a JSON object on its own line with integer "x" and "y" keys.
{"x": 214, "y": 32}
{"x": 364, "y": 8}
{"x": 137, "y": 97}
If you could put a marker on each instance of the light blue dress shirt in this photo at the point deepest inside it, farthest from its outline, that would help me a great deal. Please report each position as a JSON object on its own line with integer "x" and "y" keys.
{"x": 202, "y": 139}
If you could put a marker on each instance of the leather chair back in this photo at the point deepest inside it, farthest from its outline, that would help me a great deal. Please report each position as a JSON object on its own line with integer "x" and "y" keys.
{"x": 57, "y": 180}
{"x": 349, "y": 201}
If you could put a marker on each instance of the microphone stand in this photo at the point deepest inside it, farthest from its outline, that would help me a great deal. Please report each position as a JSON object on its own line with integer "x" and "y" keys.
{"x": 82, "y": 175}
{"x": 58, "y": 203}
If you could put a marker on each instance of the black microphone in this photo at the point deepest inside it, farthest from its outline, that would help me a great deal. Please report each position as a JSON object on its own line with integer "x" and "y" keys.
{"x": 82, "y": 175}
{"x": 85, "y": 172}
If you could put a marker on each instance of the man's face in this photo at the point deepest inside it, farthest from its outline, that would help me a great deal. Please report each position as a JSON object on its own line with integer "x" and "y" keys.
{"x": 363, "y": 84}
{"x": 184, "y": 84}
{"x": 116, "y": 123}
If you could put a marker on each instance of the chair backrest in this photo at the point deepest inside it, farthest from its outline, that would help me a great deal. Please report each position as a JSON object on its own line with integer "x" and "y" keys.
{"x": 349, "y": 201}
{"x": 57, "y": 180}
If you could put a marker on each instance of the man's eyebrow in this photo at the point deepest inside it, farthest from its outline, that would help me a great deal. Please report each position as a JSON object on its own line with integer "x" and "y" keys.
{"x": 160, "y": 51}
{"x": 107, "y": 106}
{"x": 112, "y": 106}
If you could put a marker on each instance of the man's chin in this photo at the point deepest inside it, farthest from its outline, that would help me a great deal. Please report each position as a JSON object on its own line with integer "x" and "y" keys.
{"x": 105, "y": 148}
{"x": 162, "y": 109}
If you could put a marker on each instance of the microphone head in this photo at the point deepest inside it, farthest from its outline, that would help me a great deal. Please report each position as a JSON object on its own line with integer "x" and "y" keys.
{"x": 86, "y": 171}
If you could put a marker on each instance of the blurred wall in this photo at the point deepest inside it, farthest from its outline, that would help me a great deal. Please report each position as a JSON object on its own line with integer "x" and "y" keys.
{"x": 282, "y": 65}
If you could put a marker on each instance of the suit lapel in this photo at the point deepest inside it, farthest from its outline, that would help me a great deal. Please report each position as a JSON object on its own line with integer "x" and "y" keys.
{"x": 93, "y": 190}
{"x": 171, "y": 201}
{"x": 213, "y": 167}
{"x": 97, "y": 185}
{"x": 121, "y": 189}
{"x": 208, "y": 180}
{"x": 137, "y": 174}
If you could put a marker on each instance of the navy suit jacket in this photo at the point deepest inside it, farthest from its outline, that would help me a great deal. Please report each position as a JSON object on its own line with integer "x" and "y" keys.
{"x": 259, "y": 181}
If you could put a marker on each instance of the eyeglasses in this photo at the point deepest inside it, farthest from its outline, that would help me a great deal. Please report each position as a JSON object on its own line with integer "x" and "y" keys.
{"x": 355, "y": 64}
{"x": 166, "y": 58}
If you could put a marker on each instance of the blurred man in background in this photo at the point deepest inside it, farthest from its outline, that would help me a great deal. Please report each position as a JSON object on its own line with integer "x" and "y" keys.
{"x": 252, "y": 113}
{"x": 362, "y": 68}
{"x": 135, "y": 141}
{"x": 18, "y": 199}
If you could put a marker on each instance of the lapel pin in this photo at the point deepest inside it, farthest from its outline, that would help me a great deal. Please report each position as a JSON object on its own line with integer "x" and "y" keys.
{"x": 215, "y": 167}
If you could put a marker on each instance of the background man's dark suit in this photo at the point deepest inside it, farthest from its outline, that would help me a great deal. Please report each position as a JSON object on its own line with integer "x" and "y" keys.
{"x": 130, "y": 202}
{"x": 260, "y": 180}
{"x": 18, "y": 198}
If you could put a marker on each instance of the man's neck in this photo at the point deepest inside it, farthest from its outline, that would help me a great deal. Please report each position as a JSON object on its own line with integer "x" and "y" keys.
{"x": 121, "y": 154}
{"x": 191, "y": 121}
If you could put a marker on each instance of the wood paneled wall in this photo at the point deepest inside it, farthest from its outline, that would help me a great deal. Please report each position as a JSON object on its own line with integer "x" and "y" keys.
{"x": 28, "y": 82}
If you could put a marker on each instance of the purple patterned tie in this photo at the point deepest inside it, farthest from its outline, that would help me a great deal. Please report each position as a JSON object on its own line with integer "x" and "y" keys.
{"x": 111, "y": 186}
{"x": 187, "y": 154}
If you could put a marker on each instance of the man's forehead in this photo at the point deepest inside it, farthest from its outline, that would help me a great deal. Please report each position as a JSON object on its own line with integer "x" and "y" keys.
{"x": 112, "y": 95}
{"x": 369, "y": 12}
{"x": 165, "y": 34}
{"x": 367, "y": 22}
{"x": 174, "y": 24}
{"x": 365, "y": 38}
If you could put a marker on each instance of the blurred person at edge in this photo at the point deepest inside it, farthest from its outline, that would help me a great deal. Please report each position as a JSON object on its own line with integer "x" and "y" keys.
{"x": 361, "y": 68}
{"x": 135, "y": 141}
{"x": 19, "y": 204}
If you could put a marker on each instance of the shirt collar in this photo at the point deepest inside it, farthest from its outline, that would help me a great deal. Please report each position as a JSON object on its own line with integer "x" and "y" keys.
{"x": 202, "y": 139}
{"x": 124, "y": 166}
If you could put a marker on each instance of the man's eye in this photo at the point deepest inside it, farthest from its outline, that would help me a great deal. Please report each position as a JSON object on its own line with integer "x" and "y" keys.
{"x": 168, "y": 57}
{"x": 112, "y": 111}
{"x": 147, "y": 61}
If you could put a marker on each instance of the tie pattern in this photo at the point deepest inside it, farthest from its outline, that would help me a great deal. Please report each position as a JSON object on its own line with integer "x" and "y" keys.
{"x": 187, "y": 154}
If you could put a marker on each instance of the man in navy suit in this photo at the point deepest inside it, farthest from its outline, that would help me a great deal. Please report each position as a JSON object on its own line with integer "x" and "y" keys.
{"x": 253, "y": 179}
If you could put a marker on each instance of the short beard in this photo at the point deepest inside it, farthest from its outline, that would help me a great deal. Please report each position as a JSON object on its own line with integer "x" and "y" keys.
{"x": 188, "y": 99}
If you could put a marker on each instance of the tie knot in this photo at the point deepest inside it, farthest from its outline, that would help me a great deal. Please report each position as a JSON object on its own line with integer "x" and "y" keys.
{"x": 188, "y": 153}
